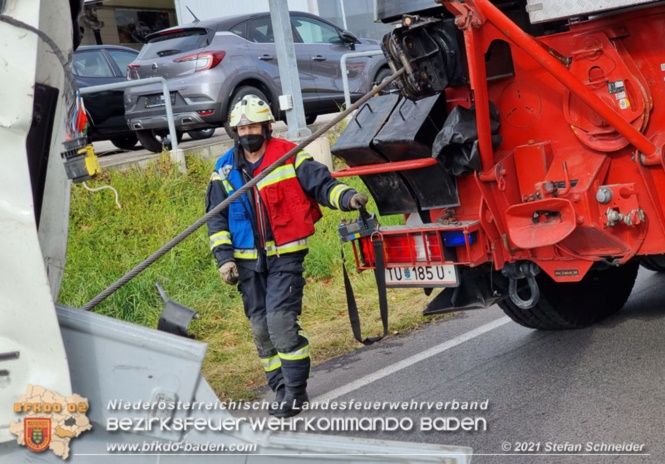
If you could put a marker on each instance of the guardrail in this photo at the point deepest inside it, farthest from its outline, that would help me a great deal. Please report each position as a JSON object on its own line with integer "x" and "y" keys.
{"x": 345, "y": 78}
{"x": 176, "y": 155}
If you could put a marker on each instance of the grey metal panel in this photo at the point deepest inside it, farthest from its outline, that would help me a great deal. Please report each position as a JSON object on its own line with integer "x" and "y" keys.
{"x": 392, "y": 10}
{"x": 97, "y": 346}
{"x": 550, "y": 10}
{"x": 209, "y": 9}
{"x": 116, "y": 360}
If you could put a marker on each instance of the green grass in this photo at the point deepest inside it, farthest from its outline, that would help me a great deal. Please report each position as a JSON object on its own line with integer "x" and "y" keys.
{"x": 158, "y": 203}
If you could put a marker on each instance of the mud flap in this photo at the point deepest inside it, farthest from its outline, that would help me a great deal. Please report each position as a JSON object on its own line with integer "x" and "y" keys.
{"x": 473, "y": 292}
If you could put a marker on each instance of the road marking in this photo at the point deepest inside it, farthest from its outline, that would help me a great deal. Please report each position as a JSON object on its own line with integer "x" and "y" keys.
{"x": 403, "y": 364}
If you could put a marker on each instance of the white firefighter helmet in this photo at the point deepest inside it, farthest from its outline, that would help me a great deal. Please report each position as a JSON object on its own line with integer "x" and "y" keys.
{"x": 250, "y": 110}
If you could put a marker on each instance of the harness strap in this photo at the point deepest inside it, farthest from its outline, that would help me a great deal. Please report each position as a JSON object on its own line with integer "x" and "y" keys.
{"x": 380, "y": 276}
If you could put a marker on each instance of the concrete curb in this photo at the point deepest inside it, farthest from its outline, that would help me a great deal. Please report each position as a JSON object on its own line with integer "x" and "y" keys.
{"x": 319, "y": 149}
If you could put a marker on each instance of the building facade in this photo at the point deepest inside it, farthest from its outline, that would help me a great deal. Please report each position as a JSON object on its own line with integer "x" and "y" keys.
{"x": 128, "y": 22}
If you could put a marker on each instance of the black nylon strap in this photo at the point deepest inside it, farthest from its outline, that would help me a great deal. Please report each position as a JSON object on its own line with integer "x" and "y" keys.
{"x": 380, "y": 276}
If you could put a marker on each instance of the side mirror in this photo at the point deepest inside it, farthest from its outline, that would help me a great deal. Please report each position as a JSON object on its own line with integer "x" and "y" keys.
{"x": 349, "y": 39}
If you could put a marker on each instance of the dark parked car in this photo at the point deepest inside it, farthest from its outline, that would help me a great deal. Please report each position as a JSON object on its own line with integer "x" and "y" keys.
{"x": 210, "y": 65}
{"x": 105, "y": 64}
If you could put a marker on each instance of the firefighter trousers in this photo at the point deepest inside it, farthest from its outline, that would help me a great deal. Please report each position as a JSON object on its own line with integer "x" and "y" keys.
{"x": 272, "y": 298}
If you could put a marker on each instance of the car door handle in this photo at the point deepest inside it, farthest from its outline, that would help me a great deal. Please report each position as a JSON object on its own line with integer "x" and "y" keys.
{"x": 318, "y": 58}
{"x": 266, "y": 57}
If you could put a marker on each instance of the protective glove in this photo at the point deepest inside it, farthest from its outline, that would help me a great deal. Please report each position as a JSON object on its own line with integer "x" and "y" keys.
{"x": 229, "y": 272}
{"x": 359, "y": 200}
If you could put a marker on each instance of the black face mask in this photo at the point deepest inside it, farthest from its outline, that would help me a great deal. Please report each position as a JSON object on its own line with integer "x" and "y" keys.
{"x": 251, "y": 142}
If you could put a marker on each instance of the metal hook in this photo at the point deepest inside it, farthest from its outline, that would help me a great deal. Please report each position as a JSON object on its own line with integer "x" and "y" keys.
{"x": 519, "y": 302}
{"x": 528, "y": 271}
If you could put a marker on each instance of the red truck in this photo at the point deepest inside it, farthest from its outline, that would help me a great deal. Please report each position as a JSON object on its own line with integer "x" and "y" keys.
{"x": 525, "y": 148}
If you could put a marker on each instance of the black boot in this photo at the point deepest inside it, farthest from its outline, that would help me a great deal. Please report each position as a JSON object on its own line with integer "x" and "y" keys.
{"x": 294, "y": 400}
{"x": 279, "y": 399}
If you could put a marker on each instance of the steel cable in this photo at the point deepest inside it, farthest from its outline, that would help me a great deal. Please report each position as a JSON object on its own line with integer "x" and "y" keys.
{"x": 223, "y": 205}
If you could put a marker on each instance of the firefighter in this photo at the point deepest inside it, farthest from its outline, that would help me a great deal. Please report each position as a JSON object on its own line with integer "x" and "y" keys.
{"x": 260, "y": 241}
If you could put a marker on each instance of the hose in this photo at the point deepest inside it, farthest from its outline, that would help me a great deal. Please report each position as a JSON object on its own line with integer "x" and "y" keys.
{"x": 223, "y": 205}
{"x": 90, "y": 189}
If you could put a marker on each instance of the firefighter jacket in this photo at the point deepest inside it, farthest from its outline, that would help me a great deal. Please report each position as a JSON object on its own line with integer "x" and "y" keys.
{"x": 279, "y": 213}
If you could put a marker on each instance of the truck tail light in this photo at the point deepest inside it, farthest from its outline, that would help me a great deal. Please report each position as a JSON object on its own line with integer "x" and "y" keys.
{"x": 204, "y": 61}
{"x": 406, "y": 246}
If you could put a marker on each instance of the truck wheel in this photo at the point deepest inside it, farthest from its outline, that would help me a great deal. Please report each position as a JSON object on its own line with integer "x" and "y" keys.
{"x": 236, "y": 97}
{"x": 152, "y": 140}
{"x": 653, "y": 263}
{"x": 576, "y": 305}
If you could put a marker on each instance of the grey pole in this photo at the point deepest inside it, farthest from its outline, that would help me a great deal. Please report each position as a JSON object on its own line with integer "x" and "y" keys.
{"x": 288, "y": 68}
{"x": 343, "y": 12}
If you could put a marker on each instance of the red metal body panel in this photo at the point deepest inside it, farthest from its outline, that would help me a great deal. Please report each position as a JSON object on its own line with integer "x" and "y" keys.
{"x": 580, "y": 175}
{"x": 561, "y": 98}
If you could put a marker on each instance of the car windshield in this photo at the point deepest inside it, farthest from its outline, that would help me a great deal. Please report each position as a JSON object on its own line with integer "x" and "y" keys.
{"x": 173, "y": 43}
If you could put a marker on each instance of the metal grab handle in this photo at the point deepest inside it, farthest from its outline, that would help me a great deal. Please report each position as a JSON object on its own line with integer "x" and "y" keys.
{"x": 319, "y": 58}
{"x": 266, "y": 57}
{"x": 362, "y": 108}
{"x": 384, "y": 167}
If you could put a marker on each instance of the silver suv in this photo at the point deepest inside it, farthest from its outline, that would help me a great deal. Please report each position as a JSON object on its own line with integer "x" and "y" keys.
{"x": 210, "y": 65}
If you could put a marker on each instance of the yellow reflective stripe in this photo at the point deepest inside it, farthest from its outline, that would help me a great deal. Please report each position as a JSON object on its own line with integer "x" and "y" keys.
{"x": 301, "y": 331}
{"x": 215, "y": 176}
{"x": 271, "y": 364}
{"x": 284, "y": 249}
{"x": 302, "y": 156}
{"x": 220, "y": 238}
{"x": 279, "y": 174}
{"x": 290, "y": 247}
{"x": 302, "y": 353}
{"x": 227, "y": 186}
{"x": 243, "y": 253}
{"x": 336, "y": 194}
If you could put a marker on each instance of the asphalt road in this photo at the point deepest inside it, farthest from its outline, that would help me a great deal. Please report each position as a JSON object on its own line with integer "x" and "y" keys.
{"x": 551, "y": 397}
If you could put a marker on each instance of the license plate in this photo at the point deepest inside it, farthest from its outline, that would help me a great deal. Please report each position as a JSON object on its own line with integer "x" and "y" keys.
{"x": 422, "y": 276}
{"x": 154, "y": 101}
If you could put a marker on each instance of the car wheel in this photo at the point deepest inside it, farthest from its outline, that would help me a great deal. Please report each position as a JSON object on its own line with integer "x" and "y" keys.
{"x": 309, "y": 120}
{"x": 236, "y": 97}
{"x": 201, "y": 134}
{"x": 383, "y": 74}
{"x": 153, "y": 140}
{"x": 127, "y": 142}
